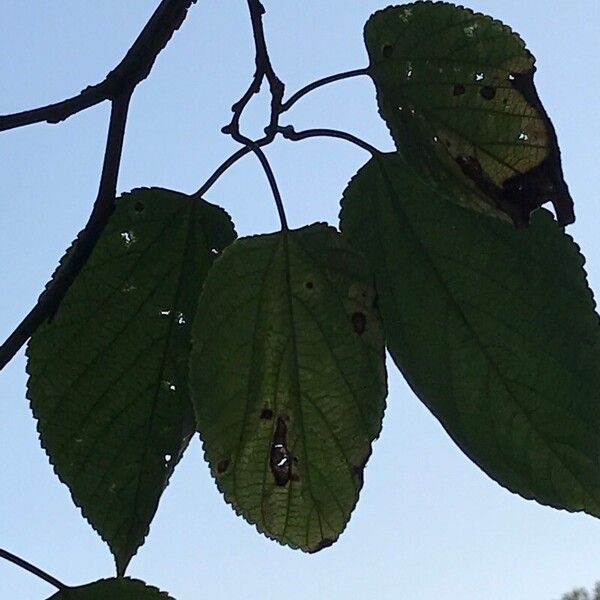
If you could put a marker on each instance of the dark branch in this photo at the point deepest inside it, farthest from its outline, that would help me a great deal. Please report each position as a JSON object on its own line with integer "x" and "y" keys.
{"x": 48, "y": 302}
{"x": 134, "y": 67}
{"x": 289, "y": 133}
{"x": 264, "y": 69}
{"x": 117, "y": 87}
{"x": 319, "y": 83}
{"x": 20, "y": 562}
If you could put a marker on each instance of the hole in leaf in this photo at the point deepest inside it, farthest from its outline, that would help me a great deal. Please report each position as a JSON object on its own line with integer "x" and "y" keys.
{"x": 523, "y": 136}
{"x": 459, "y": 89}
{"x": 435, "y": 139}
{"x": 165, "y": 312}
{"x": 479, "y": 76}
{"x": 279, "y": 458}
{"x": 128, "y": 237}
{"x": 511, "y": 77}
{"x": 128, "y": 288}
{"x": 222, "y": 466}
{"x": 168, "y": 458}
{"x": 488, "y": 92}
{"x": 359, "y": 322}
{"x": 180, "y": 319}
{"x": 139, "y": 206}
{"x": 387, "y": 51}
{"x": 266, "y": 413}
{"x": 214, "y": 251}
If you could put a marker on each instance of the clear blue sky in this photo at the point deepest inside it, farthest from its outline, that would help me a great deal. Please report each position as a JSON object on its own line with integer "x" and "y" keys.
{"x": 429, "y": 523}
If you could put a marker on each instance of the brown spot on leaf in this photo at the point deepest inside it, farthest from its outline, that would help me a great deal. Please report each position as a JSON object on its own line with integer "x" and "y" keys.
{"x": 280, "y": 460}
{"x": 459, "y": 89}
{"x": 309, "y": 285}
{"x": 544, "y": 182}
{"x": 266, "y": 413}
{"x": 359, "y": 322}
{"x": 488, "y": 92}
{"x": 295, "y": 477}
{"x": 139, "y": 206}
{"x": 222, "y": 466}
{"x": 324, "y": 543}
{"x": 387, "y": 51}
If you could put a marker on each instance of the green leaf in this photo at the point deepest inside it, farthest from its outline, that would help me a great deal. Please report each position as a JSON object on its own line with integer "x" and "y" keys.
{"x": 456, "y": 90}
{"x": 288, "y": 381}
{"x": 112, "y": 589}
{"x": 108, "y": 375}
{"x": 493, "y": 327}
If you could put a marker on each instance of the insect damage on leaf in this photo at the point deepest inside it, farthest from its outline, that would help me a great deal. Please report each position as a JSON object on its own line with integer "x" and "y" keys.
{"x": 279, "y": 458}
{"x": 446, "y": 74}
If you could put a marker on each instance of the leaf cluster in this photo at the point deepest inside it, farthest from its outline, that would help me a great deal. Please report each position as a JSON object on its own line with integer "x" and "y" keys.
{"x": 272, "y": 346}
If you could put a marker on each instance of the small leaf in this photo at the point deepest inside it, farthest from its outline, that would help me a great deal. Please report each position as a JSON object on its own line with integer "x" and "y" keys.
{"x": 456, "y": 90}
{"x": 108, "y": 374}
{"x": 289, "y": 393}
{"x": 112, "y": 589}
{"x": 493, "y": 327}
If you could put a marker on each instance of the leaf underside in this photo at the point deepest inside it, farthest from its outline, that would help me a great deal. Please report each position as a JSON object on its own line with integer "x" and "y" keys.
{"x": 112, "y": 589}
{"x": 108, "y": 375}
{"x": 456, "y": 90}
{"x": 288, "y": 381}
{"x": 493, "y": 327}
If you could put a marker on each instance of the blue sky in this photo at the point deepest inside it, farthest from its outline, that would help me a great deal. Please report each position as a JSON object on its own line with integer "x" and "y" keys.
{"x": 429, "y": 523}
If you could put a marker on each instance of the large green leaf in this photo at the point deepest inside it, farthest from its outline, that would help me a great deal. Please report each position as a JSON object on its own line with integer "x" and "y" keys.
{"x": 288, "y": 381}
{"x": 112, "y": 589}
{"x": 108, "y": 375}
{"x": 493, "y": 327}
{"x": 456, "y": 89}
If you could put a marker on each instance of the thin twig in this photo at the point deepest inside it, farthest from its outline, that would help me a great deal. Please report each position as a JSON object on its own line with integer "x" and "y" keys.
{"x": 20, "y": 562}
{"x": 319, "y": 83}
{"x": 289, "y": 133}
{"x": 221, "y": 169}
{"x": 263, "y": 70}
{"x": 134, "y": 67}
{"x": 118, "y": 87}
{"x": 274, "y": 188}
{"x": 49, "y": 300}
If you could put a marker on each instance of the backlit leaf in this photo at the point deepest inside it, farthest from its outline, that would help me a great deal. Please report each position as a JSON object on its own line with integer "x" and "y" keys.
{"x": 288, "y": 381}
{"x": 493, "y": 327}
{"x": 456, "y": 89}
{"x": 108, "y": 375}
{"x": 112, "y": 589}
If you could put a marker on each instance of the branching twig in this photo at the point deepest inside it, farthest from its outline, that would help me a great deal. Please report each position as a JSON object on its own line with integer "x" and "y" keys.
{"x": 84, "y": 244}
{"x": 289, "y": 133}
{"x": 319, "y": 83}
{"x": 264, "y": 69}
{"x": 134, "y": 67}
{"x": 117, "y": 87}
{"x": 9, "y": 556}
